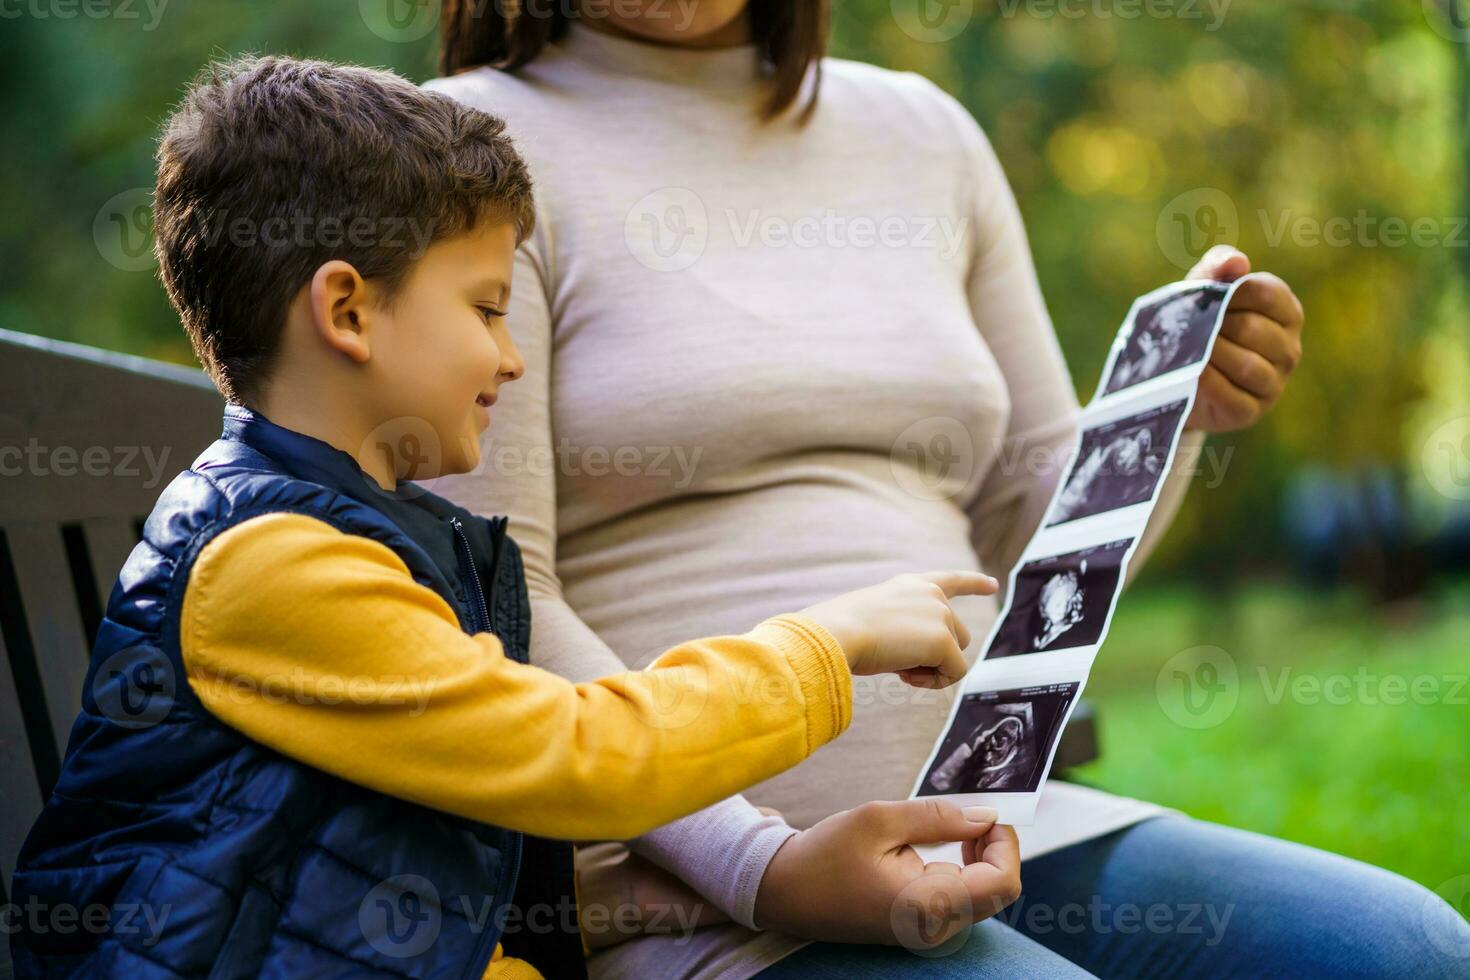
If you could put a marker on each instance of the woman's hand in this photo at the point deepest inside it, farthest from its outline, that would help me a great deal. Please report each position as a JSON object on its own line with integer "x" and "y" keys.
{"x": 1260, "y": 344}
{"x": 853, "y": 878}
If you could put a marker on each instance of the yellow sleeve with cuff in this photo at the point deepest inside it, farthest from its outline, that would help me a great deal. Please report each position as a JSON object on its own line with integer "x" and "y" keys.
{"x": 321, "y": 645}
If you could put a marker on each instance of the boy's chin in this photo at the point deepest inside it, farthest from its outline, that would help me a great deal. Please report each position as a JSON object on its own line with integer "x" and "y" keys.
{"x": 467, "y": 460}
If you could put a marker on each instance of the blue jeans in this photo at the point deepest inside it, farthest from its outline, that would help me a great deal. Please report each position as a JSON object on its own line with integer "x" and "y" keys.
{"x": 1174, "y": 897}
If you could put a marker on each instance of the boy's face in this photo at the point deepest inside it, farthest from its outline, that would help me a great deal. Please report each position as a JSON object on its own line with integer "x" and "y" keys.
{"x": 442, "y": 352}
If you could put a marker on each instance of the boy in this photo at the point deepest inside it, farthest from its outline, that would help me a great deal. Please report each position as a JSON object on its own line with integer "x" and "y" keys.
{"x": 309, "y": 742}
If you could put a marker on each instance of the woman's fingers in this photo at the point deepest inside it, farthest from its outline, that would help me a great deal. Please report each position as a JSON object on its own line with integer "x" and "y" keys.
{"x": 1271, "y": 297}
{"x": 1248, "y": 370}
{"x": 992, "y": 870}
{"x": 1221, "y": 406}
{"x": 1256, "y": 332}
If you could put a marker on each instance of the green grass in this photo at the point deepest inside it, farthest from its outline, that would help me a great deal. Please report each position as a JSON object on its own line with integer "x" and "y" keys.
{"x": 1384, "y": 783}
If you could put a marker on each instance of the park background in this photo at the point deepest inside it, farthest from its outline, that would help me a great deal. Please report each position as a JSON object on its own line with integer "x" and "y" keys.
{"x": 1293, "y": 661}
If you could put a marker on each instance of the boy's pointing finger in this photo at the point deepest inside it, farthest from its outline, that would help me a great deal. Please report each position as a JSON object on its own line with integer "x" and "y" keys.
{"x": 964, "y": 583}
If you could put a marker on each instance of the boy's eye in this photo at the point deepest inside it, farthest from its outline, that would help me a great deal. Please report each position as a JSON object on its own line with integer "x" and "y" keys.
{"x": 488, "y": 313}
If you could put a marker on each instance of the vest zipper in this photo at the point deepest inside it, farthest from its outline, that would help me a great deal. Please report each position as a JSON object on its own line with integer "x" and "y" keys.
{"x": 482, "y": 609}
{"x": 477, "y": 593}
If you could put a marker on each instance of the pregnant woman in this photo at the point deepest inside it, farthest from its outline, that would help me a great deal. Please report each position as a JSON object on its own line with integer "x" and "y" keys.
{"x": 786, "y": 340}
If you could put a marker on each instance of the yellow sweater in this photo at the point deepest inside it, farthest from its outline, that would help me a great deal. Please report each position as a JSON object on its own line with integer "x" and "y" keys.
{"x": 321, "y": 645}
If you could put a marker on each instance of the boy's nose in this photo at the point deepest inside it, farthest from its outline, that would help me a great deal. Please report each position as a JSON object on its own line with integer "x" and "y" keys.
{"x": 512, "y": 365}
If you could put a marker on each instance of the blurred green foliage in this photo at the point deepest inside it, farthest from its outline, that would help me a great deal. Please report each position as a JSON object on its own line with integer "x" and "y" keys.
{"x": 1346, "y": 730}
{"x": 1114, "y": 130}
{"x": 1288, "y": 113}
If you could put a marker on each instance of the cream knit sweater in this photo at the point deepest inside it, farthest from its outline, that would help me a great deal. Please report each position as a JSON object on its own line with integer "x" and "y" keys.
{"x": 766, "y": 365}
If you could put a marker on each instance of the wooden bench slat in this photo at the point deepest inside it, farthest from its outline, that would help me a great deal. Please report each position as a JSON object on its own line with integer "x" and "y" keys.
{"x": 54, "y": 620}
{"x": 109, "y": 542}
{"x": 19, "y": 788}
{"x": 85, "y": 433}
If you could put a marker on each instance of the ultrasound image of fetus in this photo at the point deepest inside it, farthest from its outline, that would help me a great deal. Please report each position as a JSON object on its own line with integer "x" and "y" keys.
{"x": 1061, "y": 602}
{"x": 1167, "y": 336}
{"x": 999, "y": 741}
{"x": 1118, "y": 464}
{"x": 1061, "y": 607}
{"x": 996, "y": 754}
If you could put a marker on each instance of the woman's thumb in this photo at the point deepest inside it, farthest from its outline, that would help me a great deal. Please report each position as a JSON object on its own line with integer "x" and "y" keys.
{"x": 936, "y": 822}
{"x": 1225, "y": 263}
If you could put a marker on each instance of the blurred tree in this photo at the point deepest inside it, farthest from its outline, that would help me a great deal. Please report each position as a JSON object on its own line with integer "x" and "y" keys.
{"x": 1316, "y": 135}
{"x": 1325, "y": 139}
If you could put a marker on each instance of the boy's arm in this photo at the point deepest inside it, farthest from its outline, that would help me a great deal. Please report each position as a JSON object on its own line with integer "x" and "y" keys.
{"x": 321, "y": 645}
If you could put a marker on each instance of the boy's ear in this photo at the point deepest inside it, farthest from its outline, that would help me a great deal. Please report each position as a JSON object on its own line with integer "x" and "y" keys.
{"x": 341, "y": 309}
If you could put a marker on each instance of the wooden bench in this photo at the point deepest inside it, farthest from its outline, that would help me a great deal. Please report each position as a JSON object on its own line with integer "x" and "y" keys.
{"x": 88, "y": 439}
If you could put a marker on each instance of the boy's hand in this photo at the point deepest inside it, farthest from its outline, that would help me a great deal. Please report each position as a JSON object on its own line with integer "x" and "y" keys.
{"x": 905, "y": 626}
{"x": 853, "y": 878}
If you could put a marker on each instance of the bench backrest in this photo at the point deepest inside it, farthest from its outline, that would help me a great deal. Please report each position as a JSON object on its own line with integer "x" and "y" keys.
{"x": 88, "y": 439}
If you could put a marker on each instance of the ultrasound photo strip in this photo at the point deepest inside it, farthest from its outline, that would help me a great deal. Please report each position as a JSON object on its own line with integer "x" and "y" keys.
{"x": 1014, "y": 703}
{"x": 1169, "y": 330}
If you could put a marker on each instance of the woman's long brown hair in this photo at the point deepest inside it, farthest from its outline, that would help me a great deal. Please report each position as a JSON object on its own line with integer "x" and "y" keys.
{"x": 791, "y": 36}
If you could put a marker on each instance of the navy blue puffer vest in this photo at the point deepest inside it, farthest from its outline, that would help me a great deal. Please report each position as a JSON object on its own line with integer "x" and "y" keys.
{"x": 175, "y": 846}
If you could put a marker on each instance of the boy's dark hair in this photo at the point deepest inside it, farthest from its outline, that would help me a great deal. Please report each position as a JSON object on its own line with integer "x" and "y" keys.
{"x": 272, "y": 166}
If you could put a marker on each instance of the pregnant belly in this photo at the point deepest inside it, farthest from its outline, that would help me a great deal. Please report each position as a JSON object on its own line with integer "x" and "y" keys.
{"x": 720, "y": 564}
